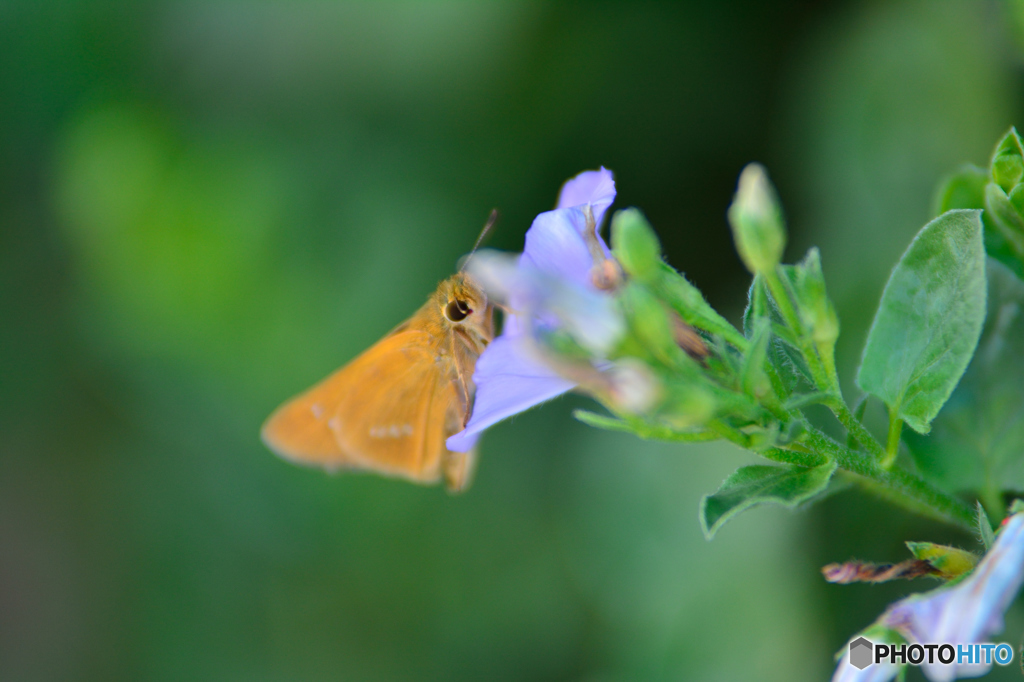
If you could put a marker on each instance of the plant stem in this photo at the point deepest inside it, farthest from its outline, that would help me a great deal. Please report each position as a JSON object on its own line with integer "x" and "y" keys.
{"x": 729, "y": 433}
{"x": 825, "y": 378}
{"x": 790, "y": 456}
{"x": 897, "y": 485}
{"x": 856, "y": 428}
{"x": 892, "y": 446}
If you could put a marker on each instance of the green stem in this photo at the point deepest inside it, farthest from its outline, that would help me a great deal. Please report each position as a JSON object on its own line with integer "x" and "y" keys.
{"x": 731, "y": 434}
{"x": 824, "y": 373}
{"x": 828, "y": 360}
{"x": 897, "y": 485}
{"x": 790, "y": 456}
{"x": 855, "y": 428}
{"x": 858, "y": 417}
{"x": 892, "y": 446}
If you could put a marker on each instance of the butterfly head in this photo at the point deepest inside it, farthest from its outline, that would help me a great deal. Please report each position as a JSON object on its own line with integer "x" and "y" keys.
{"x": 462, "y": 301}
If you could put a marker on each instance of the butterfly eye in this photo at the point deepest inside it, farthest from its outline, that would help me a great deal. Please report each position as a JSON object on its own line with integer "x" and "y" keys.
{"x": 457, "y": 310}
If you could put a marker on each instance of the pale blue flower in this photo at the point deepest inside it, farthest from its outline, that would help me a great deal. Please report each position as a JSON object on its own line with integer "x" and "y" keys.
{"x": 970, "y": 611}
{"x": 552, "y": 279}
{"x": 967, "y": 612}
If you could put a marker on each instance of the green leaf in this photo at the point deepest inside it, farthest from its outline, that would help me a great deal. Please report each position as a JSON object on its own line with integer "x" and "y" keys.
{"x": 963, "y": 189}
{"x": 1006, "y": 217}
{"x": 966, "y": 189}
{"x": 813, "y": 304}
{"x": 988, "y": 537}
{"x": 1004, "y": 204}
{"x": 758, "y": 308}
{"x": 642, "y": 429}
{"x": 999, "y": 247}
{"x": 753, "y": 378}
{"x": 977, "y": 441}
{"x": 789, "y": 367}
{"x": 789, "y": 486}
{"x": 929, "y": 320}
{"x": 674, "y": 289}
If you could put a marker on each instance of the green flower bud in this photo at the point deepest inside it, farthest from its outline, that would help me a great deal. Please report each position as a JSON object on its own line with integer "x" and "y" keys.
{"x": 756, "y": 220}
{"x": 950, "y": 562}
{"x": 649, "y": 324}
{"x": 1008, "y": 161}
{"x": 1007, "y": 219}
{"x": 689, "y": 406}
{"x": 635, "y": 244}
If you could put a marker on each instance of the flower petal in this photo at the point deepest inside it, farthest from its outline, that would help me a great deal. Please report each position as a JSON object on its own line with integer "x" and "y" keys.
{"x": 557, "y": 251}
{"x": 556, "y": 242}
{"x": 970, "y": 611}
{"x": 509, "y": 380}
{"x": 590, "y": 316}
{"x": 596, "y": 188}
{"x": 555, "y": 245}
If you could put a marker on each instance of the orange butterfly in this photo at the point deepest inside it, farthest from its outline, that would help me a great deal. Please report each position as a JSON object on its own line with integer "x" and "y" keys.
{"x": 391, "y": 409}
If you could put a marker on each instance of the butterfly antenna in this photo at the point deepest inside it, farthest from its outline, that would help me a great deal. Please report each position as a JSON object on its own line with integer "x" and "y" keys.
{"x": 492, "y": 220}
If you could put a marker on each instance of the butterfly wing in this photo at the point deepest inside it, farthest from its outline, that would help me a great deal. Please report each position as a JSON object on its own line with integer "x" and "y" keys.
{"x": 387, "y": 411}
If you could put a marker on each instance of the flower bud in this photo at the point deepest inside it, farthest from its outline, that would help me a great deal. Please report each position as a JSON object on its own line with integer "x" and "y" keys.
{"x": 650, "y": 324}
{"x": 756, "y": 220}
{"x": 950, "y": 562}
{"x": 635, "y": 245}
{"x": 1008, "y": 161}
{"x": 1005, "y": 216}
{"x": 632, "y": 387}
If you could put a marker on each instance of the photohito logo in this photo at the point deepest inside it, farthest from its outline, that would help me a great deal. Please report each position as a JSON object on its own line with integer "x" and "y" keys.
{"x": 863, "y": 653}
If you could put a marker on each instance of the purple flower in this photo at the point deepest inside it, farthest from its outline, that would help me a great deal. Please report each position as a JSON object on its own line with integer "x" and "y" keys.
{"x": 555, "y": 266}
{"x": 967, "y": 612}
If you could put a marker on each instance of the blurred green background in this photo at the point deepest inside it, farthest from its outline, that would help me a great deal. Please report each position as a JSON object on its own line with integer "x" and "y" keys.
{"x": 206, "y": 207}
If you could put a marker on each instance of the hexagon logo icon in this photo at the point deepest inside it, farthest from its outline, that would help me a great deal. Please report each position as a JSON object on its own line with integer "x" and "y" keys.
{"x": 860, "y": 653}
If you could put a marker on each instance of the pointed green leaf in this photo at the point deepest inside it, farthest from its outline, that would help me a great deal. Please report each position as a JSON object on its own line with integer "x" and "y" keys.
{"x": 753, "y": 378}
{"x": 977, "y": 442}
{"x": 674, "y": 289}
{"x": 816, "y": 310}
{"x": 988, "y": 537}
{"x": 999, "y": 247}
{"x": 929, "y": 320}
{"x": 759, "y": 484}
{"x": 789, "y": 369}
{"x": 642, "y": 429}
{"x": 758, "y": 307}
{"x": 1005, "y": 216}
